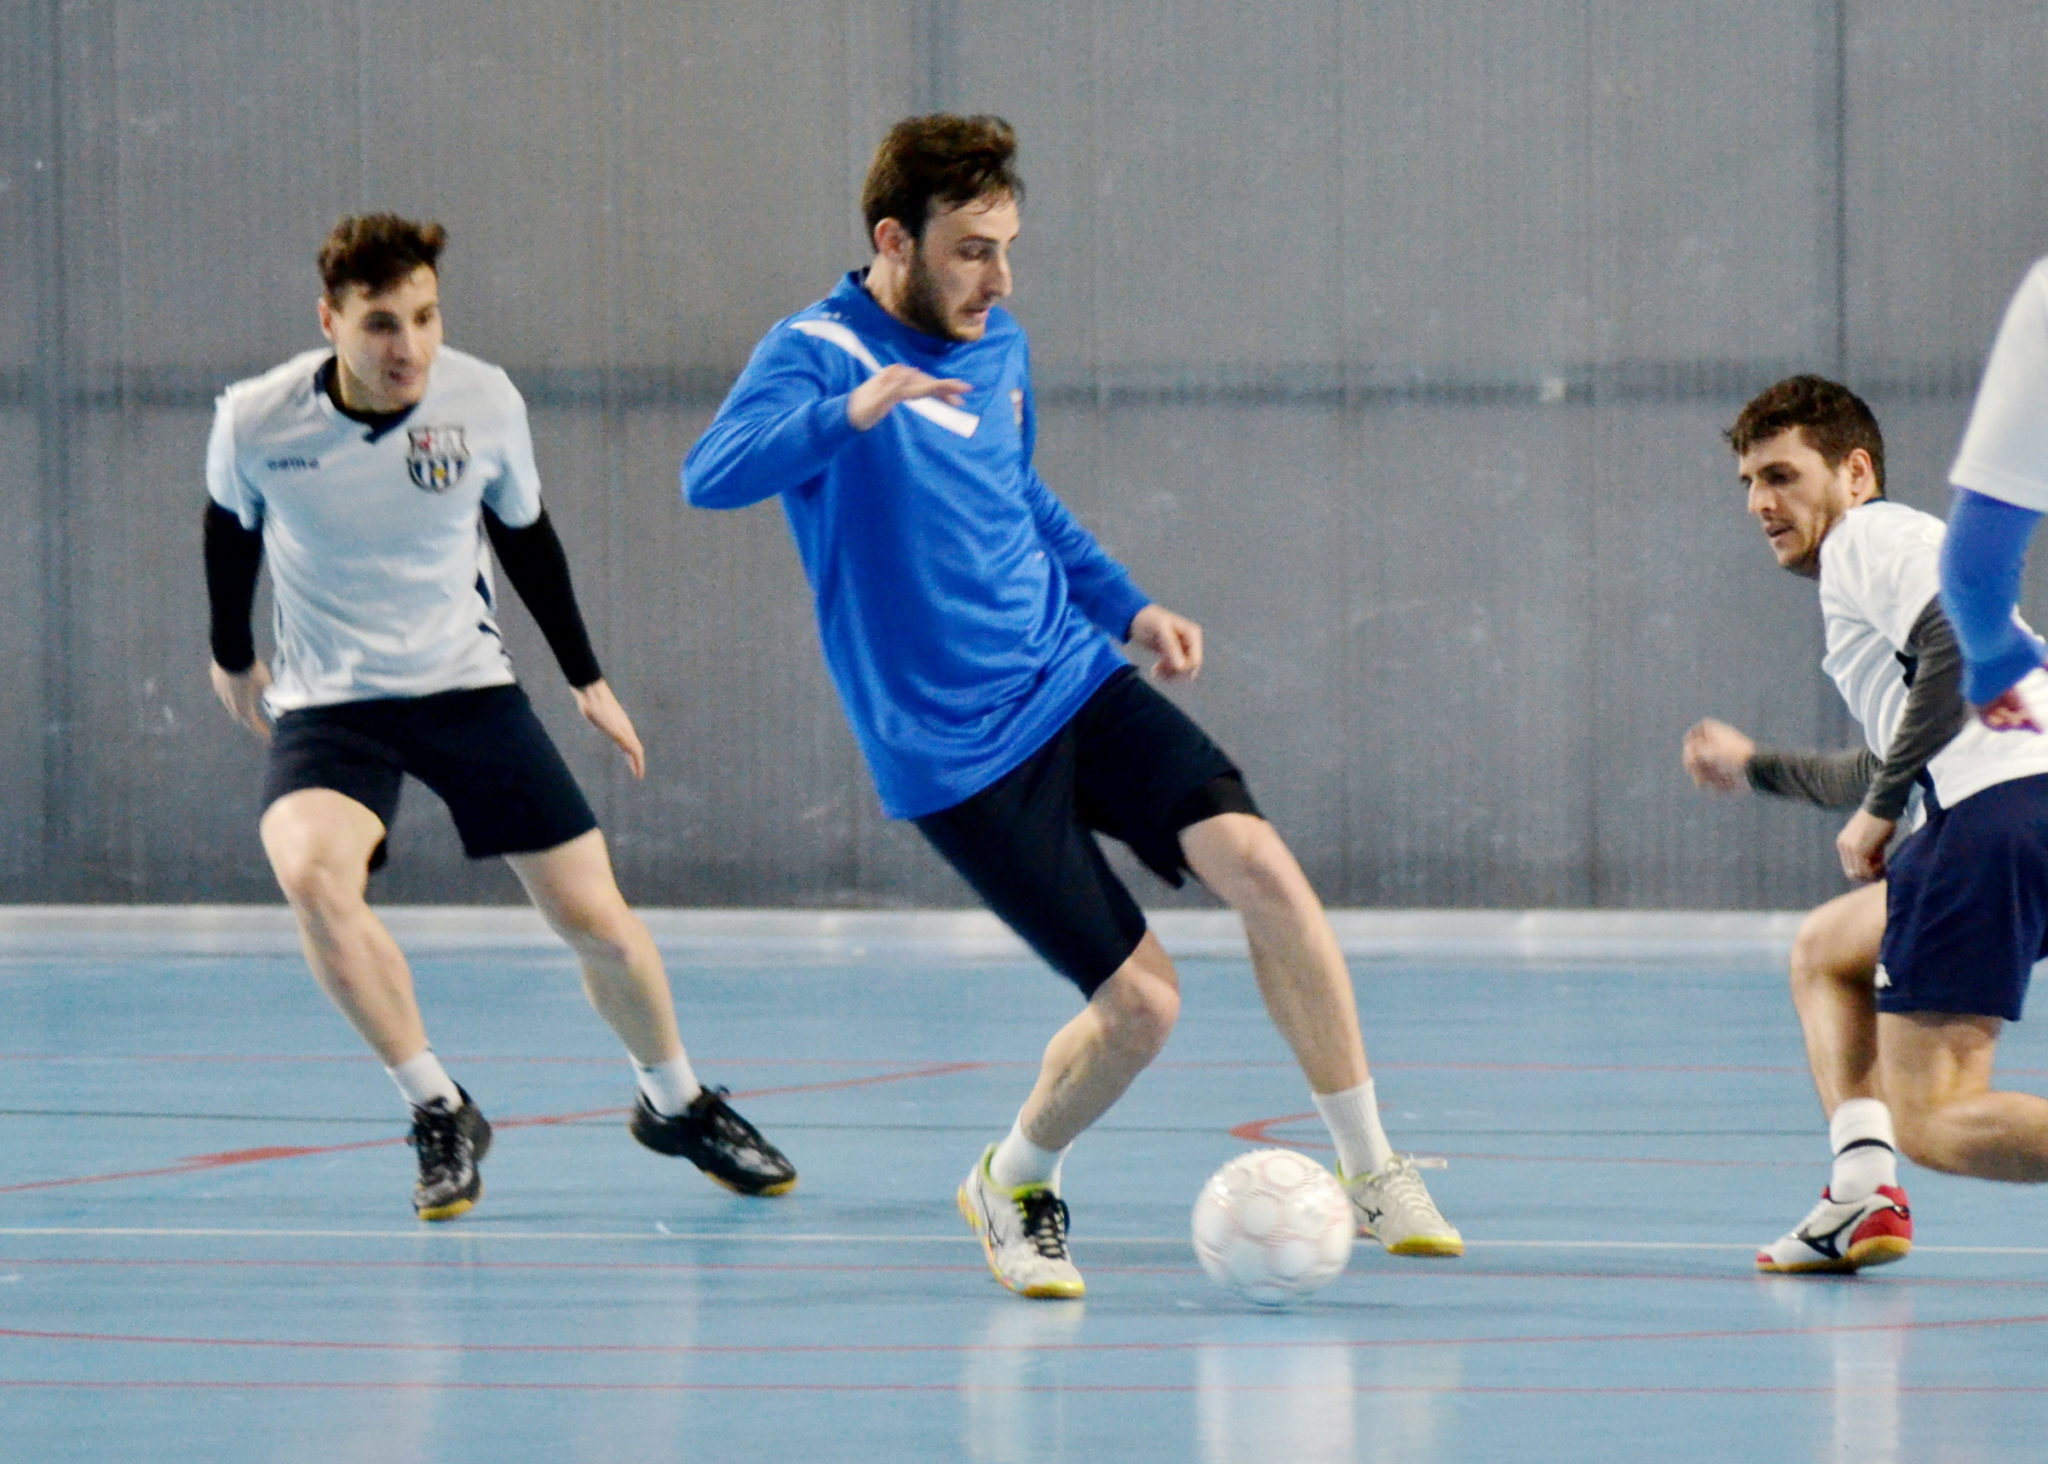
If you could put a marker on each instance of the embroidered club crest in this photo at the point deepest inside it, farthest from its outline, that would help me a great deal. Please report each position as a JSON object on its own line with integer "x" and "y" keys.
{"x": 435, "y": 457}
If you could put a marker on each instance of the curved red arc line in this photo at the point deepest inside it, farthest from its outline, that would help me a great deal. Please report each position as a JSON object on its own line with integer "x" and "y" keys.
{"x": 266, "y": 1154}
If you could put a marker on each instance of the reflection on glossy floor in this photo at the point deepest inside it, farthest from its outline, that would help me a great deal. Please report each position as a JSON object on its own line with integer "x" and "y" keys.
{"x": 206, "y": 1251}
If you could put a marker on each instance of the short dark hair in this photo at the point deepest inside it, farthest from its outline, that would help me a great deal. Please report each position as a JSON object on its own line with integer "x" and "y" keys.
{"x": 929, "y": 164}
{"x": 377, "y": 251}
{"x": 1835, "y": 420}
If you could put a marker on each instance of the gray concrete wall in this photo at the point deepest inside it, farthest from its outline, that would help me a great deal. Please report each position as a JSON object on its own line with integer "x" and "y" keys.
{"x": 1390, "y": 341}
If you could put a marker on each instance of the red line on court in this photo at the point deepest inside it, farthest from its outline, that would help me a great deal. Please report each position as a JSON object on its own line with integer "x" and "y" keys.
{"x": 461, "y": 1267}
{"x": 832, "y": 1349}
{"x": 231, "y": 1157}
{"x": 1283, "y": 1389}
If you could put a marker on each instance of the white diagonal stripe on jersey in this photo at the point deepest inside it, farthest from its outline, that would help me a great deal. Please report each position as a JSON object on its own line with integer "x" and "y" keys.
{"x": 961, "y": 424}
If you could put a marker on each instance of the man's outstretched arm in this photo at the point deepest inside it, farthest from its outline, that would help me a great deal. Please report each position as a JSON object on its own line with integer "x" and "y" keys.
{"x": 1721, "y": 758}
{"x": 784, "y": 420}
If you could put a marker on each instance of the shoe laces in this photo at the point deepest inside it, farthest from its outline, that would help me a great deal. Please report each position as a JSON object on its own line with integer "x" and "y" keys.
{"x": 1045, "y": 1223}
{"x": 1400, "y": 1183}
{"x": 436, "y": 1135}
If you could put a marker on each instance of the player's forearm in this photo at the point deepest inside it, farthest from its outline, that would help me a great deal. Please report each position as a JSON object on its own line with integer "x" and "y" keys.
{"x": 1101, "y": 588}
{"x": 233, "y": 557}
{"x": 538, "y": 568}
{"x": 756, "y": 453}
{"x": 1829, "y": 779}
{"x": 1981, "y": 561}
{"x": 1934, "y": 713}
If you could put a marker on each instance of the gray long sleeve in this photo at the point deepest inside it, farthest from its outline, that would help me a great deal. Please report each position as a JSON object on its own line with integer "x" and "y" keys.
{"x": 1831, "y": 779}
{"x": 1934, "y": 711}
{"x": 1857, "y": 777}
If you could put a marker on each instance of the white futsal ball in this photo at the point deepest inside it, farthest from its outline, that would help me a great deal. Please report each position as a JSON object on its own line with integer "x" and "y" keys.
{"x": 1273, "y": 1226}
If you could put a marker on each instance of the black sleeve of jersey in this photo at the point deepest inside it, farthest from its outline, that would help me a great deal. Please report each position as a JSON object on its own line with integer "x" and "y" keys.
{"x": 233, "y": 556}
{"x": 539, "y": 571}
{"x": 1934, "y": 711}
{"x": 1830, "y": 779}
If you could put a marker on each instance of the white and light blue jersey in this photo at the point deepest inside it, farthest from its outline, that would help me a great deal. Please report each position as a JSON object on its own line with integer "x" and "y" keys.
{"x": 374, "y": 535}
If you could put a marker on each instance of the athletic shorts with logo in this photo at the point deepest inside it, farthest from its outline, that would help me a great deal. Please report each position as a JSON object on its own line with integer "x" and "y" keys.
{"x": 1129, "y": 764}
{"x": 1966, "y": 905}
{"x": 483, "y": 751}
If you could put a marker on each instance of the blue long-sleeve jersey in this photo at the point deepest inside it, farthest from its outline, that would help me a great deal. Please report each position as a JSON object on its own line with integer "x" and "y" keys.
{"x": 965, "y": 613}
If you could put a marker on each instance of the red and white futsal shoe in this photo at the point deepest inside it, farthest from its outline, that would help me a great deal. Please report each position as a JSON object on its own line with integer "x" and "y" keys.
{"x": 1845, "y": 1235}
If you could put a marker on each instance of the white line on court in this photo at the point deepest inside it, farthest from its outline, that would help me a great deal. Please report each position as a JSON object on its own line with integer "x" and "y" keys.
{"x": 729, "y": 1237}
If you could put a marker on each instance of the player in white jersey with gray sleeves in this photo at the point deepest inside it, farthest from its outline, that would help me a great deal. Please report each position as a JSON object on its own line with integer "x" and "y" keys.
{"x": 372, "y": 475}
{"x": 1876, "y": 974}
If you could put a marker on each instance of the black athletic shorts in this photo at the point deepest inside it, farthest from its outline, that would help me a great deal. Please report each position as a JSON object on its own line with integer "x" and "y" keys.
{"x": 1129, "y": 764}
{"x": 483, "y": 751}
{"x": 1966, "y": 906}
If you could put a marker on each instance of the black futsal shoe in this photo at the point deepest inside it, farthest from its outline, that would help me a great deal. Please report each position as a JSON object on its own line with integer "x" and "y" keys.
{"x": 718, "y": 1141}
{"x": 450, "y": 1142}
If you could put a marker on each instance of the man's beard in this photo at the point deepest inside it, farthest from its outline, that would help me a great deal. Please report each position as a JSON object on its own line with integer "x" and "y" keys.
{"x": 922, "y": 307}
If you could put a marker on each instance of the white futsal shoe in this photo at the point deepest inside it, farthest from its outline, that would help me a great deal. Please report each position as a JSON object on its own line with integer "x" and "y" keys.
{"x": 1845, "y": 1235}
{"x": 1023, "y": 1233}
{"x": 1393, "y": 1207}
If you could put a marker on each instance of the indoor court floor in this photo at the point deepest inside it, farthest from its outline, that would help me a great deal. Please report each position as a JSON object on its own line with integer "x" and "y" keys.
{"x": 207, "y": 1252}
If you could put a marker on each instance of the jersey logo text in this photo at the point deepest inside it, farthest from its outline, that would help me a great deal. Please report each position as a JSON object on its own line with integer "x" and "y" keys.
{"x": 435, "y": 457}
{"x": 292, "y": 464}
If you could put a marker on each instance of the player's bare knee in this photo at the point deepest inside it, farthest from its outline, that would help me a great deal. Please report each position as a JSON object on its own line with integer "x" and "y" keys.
{"x": 316, "y": 884}
{"x": 1809, "y": 965}
{"x": 606, "y": 931}
{"x": 1140, "y": 1012}
{"x": 1259, "y": 874}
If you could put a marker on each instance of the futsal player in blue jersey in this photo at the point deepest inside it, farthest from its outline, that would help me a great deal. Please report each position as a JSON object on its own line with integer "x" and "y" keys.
{"x": 2001, "y": 490}
{"x": 371, "y": 473}
{"x": 970, "y": 624}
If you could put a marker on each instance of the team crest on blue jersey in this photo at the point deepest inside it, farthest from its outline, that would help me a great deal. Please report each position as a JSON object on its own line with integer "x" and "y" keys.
{"x": 436, "y": 456}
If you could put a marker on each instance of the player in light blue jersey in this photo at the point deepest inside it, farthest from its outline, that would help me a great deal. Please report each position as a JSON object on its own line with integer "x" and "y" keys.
{"x": 969, "y": 622}
{"x": 371, "y": 474}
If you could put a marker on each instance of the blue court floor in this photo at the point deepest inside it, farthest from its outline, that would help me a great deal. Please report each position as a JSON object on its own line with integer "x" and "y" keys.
{"x": 207, "y": 1253}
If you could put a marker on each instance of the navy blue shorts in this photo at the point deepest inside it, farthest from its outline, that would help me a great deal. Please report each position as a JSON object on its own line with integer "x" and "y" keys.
{"x": 483, "y": 751}
{"x": 1966, "y": 906}
{"x": 1129, "y": 764}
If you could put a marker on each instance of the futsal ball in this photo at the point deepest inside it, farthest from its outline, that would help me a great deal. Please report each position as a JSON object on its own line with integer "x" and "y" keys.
{"x": 1273, "y": 1226}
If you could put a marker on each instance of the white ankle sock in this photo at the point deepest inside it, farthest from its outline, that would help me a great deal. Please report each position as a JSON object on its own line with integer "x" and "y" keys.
{"x": 422, "y": 1079}
{"x": 1353, "y": 1119}
{"x": 1866, "y": 1156}
{"x": 669, "y": 1087}
{"x": 1018, "y": 1161}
